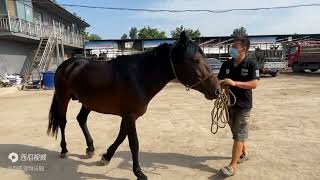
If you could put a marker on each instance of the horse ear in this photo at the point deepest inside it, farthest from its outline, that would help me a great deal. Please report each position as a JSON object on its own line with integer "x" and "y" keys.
{"x": 184, "y": 38}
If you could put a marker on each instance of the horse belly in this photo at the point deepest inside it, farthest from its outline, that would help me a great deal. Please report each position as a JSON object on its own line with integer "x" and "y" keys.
{"x": 114, "y": 104}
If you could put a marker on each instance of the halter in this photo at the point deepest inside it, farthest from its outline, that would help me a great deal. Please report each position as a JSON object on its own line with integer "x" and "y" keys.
{"x": 188, "y": 87}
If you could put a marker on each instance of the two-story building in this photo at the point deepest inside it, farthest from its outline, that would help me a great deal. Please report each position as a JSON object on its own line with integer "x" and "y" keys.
{"x": 31, "y": 32}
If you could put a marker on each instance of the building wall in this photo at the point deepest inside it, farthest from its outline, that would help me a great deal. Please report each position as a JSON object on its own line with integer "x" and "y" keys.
{"x": 3, "y": 7}
{"x": 11, "y": 7}
{"x": 13, "y": 55}
{"x": 47, "y": 19}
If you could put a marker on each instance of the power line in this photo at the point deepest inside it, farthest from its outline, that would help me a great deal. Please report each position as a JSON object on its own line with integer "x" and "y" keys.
{"x": 190, "y": 10}
{"x": 183, "y": 10}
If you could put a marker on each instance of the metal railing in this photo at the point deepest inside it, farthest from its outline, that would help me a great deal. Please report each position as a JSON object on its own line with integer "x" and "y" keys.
{"x": 69, "y": 35}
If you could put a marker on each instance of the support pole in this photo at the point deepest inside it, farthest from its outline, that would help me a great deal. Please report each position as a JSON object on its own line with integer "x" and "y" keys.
{"x": 62, "y": 50}
{"x": 219, "y": 49}
{"x": 57, "y": 52}
{"x": 9, "y": 21}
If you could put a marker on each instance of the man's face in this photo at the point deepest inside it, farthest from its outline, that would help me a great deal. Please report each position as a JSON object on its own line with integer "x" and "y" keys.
{"x": 238, "y": 45}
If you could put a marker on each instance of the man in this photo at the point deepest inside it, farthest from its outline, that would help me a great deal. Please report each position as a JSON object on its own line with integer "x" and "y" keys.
{"x": 241, "y": 75}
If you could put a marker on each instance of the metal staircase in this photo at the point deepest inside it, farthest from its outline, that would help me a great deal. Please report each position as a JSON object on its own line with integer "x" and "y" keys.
{"x": 41, "y": 62}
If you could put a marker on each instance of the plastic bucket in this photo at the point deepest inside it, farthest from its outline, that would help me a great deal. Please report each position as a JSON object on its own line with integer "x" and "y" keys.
{"x": 48, "y": 80}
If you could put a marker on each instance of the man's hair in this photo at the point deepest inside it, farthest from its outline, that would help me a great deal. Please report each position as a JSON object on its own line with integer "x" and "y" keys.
{"x": 245, "y": 42}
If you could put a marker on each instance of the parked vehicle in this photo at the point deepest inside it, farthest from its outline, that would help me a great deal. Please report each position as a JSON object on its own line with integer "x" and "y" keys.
{"x": 304, "y": 55}
{"x": 214, "y": 64}
{"x": 271, "y": 61}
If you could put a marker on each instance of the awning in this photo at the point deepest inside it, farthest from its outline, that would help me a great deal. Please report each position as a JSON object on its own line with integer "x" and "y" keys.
{"x": 99, "y": 45}
{"x": 155, "y": 43}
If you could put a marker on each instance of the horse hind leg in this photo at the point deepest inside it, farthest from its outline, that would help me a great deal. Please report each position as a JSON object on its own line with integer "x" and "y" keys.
{"x": 57, "y": 118}
{"x": 82, "y": 120}
{"x": 62, "y": 124}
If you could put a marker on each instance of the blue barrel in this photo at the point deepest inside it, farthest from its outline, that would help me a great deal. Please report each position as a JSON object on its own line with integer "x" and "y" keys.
{"x": 48, "y": 80}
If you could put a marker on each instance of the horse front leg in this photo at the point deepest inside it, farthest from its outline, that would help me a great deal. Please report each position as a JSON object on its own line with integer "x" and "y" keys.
{"x": 106, "y": 158}
{"x": 134, "y": 147}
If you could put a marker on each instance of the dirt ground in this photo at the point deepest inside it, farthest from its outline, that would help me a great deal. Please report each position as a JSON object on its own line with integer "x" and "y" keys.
{"x": 175, "y": 139}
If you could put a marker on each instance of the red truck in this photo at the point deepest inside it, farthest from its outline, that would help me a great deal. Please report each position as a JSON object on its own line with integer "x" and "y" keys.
{"x": 304, "y": 55}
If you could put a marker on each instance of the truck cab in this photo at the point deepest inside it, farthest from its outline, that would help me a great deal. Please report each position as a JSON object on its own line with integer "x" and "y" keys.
{"x": 304, "y": 56}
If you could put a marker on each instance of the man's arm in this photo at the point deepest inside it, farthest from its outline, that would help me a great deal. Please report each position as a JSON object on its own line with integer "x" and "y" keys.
{"x": 243, "y": 85}
{"x": 252, "y": 84}
{"x": 247, "y": 85}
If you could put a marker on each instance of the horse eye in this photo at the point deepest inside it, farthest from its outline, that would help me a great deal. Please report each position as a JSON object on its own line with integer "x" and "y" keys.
{"x": 197, "y": 60}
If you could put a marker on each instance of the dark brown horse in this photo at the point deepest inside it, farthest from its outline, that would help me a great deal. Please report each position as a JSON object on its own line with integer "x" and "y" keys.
{"x": 124, "y": 86}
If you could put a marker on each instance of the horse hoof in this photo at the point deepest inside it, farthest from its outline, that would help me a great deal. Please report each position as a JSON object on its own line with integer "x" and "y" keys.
{"x": 64, "y": 155}
{"x": 103, "y": 162}
{"x": 143, "y": 178}
{"x": 89, "y": 154}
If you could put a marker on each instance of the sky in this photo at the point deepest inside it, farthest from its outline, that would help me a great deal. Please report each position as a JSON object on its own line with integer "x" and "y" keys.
{"x": 110, "y": 24}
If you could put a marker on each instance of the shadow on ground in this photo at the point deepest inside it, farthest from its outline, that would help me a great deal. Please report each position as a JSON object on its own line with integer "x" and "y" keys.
{"x": 151, "y": 161}
{"x": 57, "y": 168}
{"x": 54, "y": 167}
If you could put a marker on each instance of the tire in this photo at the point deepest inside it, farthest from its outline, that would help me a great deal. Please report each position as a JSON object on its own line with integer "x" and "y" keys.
{"x": 296, "y": 68}
{"x": 314, "y": 70}
{"x": 275, "y": 74}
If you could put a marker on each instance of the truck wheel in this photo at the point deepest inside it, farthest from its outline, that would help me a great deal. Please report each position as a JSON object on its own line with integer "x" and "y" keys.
{"x": 314, "y": 70}
{"x": 296, "y": 68}
{"x": 275, "y": 74}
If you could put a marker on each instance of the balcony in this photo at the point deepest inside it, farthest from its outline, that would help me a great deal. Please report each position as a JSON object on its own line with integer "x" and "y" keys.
{"x": 69, "y": 35}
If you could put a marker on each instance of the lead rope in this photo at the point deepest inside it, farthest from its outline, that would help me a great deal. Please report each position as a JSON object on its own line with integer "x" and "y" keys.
{"x": 220, "y": 112}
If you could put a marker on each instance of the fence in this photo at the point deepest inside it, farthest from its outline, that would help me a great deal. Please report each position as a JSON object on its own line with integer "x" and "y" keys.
{"x": 69, "y": 35}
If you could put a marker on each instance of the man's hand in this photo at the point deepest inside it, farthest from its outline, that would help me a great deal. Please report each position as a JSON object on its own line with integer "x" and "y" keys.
{"x": 243, "y": 85}
{"x": 228, "y": 82}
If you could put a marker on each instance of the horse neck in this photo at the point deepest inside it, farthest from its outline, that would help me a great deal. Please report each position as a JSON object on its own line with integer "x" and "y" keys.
{"x": 157, "y": 71}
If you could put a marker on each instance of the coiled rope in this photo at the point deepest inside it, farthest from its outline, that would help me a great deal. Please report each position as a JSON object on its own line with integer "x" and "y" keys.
{"x": 220, "y": 112}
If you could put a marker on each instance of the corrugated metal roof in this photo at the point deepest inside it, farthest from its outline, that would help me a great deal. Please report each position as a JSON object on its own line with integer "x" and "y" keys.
{"x": 99, "y": 45}
{"x": 155, "y": 43}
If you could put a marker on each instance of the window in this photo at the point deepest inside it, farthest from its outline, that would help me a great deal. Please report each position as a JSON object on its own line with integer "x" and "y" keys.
{"x": 293, "y": 50}
{"x": 3, "y": 7}
{"x": 20, "y": 10}
{"x": 37, "y": 17}
{"x": 24, "y": 10}
{"x": 29, "y": 13}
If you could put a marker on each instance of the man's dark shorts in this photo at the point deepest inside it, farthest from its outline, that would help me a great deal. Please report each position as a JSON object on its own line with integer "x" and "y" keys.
{"x": 239, "y": 122}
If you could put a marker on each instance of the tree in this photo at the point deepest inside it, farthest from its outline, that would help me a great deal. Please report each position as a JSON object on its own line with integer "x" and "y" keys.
{"x": 151, "y": 33}
{"x": 133, "y": 33}
{"x": 88, "y": 36}
{"x": 239, "y": 32}
{"x": 93, "y": 37}
{"x": 124, "y": 36}
{"x": 190, "y": 32}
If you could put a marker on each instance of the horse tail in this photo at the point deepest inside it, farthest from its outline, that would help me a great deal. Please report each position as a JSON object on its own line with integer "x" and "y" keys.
{"x": 53, "y": 125}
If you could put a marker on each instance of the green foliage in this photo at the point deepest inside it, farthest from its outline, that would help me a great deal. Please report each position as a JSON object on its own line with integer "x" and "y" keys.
{"x": 133, "y": 33}
{"x": 124, "y": 36}
{"x": 88, "y": 36}
{"x": 190, "y": 32}
{"x": 151, "y": 33}
{"x": 239, "y": 32}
